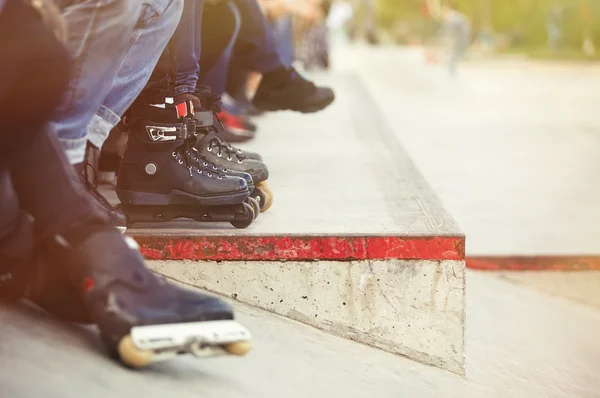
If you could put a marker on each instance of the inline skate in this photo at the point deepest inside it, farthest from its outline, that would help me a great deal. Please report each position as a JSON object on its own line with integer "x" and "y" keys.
{"x": 161, "y": 178}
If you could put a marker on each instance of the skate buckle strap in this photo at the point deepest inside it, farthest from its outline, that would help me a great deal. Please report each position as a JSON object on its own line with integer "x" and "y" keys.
{"x": 184, "y": 109}
{"x": 167, "y": 132}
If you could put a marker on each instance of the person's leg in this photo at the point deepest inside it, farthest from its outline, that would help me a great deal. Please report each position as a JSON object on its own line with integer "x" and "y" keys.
{"x": 256, "y": 47}
{"x": 281, "y": 87}
{"x": 16, "y": 242}
{"x": 284, "y": 32}
{"x": 188, "y": 44}
{"x": 34, "y": 74}
{"x": 220, "y": 30}
{"x": 99, "y": 32}
{"x": 155, "y": 27}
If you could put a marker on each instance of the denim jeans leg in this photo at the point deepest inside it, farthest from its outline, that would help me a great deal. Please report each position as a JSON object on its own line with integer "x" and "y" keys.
{"x": 97, "y": 29}
{"x": 188, "y": 45}
{"x": 220, "y": 33}
{"x": 283, "y": 30}
{"x": 155, "y": 27}
{"x": 256, "y": 47}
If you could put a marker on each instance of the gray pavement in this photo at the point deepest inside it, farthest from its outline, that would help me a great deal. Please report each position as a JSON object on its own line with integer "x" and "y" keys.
{"x": 510, "y": 147}
{"x": 520, "y": 343}
{"x": 486, "y": 151}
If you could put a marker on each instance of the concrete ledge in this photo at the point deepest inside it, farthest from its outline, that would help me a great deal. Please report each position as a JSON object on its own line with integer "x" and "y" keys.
{"x": 177, "y": 246}
{"x": 414, "y": 308}
{"x": 356, "y": 243}
{"x": 534, "y": 263}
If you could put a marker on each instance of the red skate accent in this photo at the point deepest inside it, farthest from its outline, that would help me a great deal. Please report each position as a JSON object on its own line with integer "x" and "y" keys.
{"x": 534, "y": 263}
{"x": 182, "y": 110}
{"x": 230, "y": 120}
{"x": 88, "y": 284}
{"x": 299, "y": 248}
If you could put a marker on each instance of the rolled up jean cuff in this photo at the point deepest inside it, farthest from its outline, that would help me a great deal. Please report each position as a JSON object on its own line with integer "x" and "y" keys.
{"x": 184, "y": 89}
{"x": 101, "y": 125}
{"x": 75, "y": 149}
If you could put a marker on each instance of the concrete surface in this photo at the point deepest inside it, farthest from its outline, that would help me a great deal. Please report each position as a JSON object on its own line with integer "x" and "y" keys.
{"x": 413, "y": 308}
{"x": 338, "y": 173}
{"x": 521, "y": 344}
{"x": 579, "y": 286}
{"x": 341, "y": 171}
{"x": 511, "y": 148}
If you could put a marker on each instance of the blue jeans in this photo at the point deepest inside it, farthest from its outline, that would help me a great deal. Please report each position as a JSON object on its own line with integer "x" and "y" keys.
{"x": 283, "y": 29}
{"x": 235, "y": 30}
{"x": 256, "y": 47}
{"x": 97, "y": 29}
{"x": 188, "y": 44}
{"x": 220, "y": 31}
{"x": 156, "y": 25}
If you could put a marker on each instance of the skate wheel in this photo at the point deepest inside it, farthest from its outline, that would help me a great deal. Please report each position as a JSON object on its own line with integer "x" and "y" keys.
{"x": 255, "y": 206}
{"x": 238, "y": 348}
{"x": 133, "y": 356}
{"x": 247, "y": 219}
{"x": 267, "y": 196}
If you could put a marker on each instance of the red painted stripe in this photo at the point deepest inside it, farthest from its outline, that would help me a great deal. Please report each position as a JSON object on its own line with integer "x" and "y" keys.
{"x": 533, "y": 263}
{"x": 281, "y": 248}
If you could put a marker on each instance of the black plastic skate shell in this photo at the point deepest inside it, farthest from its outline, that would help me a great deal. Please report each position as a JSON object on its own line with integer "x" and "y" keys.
{"x": 162, "y": 178}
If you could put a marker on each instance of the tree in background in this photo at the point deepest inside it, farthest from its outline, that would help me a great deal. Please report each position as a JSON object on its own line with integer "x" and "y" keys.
{"x": 523, "y": 23}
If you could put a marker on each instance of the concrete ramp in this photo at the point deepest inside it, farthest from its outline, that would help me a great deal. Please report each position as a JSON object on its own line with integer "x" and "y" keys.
{"x": 355, "y": 244}
{"x": 41, "y": 357}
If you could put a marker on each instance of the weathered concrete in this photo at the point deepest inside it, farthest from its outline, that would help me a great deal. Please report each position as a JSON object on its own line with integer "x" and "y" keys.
{"x": 413, "y": 308}
{"x": 521, "y": 343}
{"x": 510, "y": 148}
{"x": 350, "y": 209}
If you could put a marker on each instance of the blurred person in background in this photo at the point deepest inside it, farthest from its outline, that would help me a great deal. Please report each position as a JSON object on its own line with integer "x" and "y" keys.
{"x": 313, "y": 49}
{"x": 366, "y": 9}
{"x": 553, "y": 26}
{"x": 457, "y": 28}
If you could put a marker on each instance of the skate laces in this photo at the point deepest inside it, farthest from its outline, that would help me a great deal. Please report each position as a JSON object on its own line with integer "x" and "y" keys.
{"x": 215, "y": 144}
{"x": 186, "y": 155}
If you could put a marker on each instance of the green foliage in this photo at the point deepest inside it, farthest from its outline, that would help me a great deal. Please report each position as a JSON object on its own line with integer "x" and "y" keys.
{"x": 523, "y": 21}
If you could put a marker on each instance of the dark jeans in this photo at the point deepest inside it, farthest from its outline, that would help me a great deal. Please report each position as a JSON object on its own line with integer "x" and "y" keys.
{"x": 234, "y": 32}
{"x": 33, "y": 166}
{"x": 256, "y": 47}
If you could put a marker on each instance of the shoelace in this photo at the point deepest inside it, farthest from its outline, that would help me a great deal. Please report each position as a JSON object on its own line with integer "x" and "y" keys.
{"x": 186, "y": 155}
{"x": 213, "y": 143}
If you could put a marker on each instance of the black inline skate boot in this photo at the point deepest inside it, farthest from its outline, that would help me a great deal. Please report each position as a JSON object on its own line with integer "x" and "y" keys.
{"x": 213, "y": 149}
{"x": 160, "y": 178}
{"x": 23, "y": 272}
{"x": 88, "y": 174}
{"x": 285, "y": 89}
{"x": 142, "y": 318}
{"x": 213, "y": 102}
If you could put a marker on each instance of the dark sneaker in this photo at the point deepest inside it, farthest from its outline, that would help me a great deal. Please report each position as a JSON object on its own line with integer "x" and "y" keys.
{"x": 285, "y": 89}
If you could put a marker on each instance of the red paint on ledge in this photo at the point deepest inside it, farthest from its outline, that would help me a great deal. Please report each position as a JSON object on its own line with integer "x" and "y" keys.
{"x": 534, "y": 263}
{"x": 282, "y": 248}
